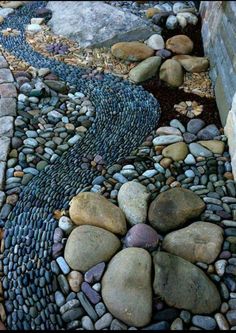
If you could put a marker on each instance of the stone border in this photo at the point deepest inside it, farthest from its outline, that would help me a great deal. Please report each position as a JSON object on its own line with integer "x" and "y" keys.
{"x": 8, "y": 94}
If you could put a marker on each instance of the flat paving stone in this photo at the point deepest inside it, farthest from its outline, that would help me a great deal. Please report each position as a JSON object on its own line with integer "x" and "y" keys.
{"x": 6, "y": 76}
{"x": 8, "y": 90}
{"x": 3, "y": 62}
{"x": 6, "y": 126}
{"x": 4, "y": 148}
{"x": 7, "y": 107}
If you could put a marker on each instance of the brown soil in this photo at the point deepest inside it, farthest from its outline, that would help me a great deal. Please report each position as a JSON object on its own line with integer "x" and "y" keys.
{"x": 168, "y": 97}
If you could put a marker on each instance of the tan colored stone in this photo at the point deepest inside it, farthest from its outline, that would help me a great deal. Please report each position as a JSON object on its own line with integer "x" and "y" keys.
{"x": 93, "y": 209}
{"x": 75, "y": 280}
{"x": 2, "y": 312}
{"x": 1, "y": 19}
{"x": 88, "y": 245}
{"x": 150, "y": 12}
{"x": 180, "y": 44}
{"x": 12, "y": 4}
{"x": 173, "y": 208}
{"x": 172, "y": 73}
{"x": 216, "y": 146}
{"x": 166, "y": 162}
{"x": 192, "y": 64}
{"x": 177, "y": 151}
{"x": 131, "y": 51}
{"x": 2, "y": 326}
{"x": 145, "y": 69}
{"x": 126, "y": 287}
{"x": 199, "y": 242}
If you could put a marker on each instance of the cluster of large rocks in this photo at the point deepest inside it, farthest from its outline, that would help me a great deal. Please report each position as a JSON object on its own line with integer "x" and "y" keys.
{"x": 151, "y": 54}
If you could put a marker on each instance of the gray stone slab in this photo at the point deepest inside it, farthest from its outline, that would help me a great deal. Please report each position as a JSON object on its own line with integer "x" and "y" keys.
{"x": 6, "y": 76}
{"x": 6, "y": 126}
{"x": 3, "y": 62}
{"x": 8, "y": 106}
{"x": 2, "y": 174}
{"x": 4, "y": 148}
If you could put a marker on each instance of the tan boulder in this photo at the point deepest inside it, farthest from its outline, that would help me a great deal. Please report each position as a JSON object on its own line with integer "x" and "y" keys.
{"x": 200, "y": 241}
{"x": 177, "y": 151}
{"x": 131, "y": 51}
{"x": 172, "y": 73}
{"x": 192, "y": 64}
{"x": 12, "y": 4}
{"x": 216, "y": 146}
{"x": 87, "y": 246}
{"x": 126, "y": 287}
{"x": 93, "y": 209}
{"x": 180, "y": 44}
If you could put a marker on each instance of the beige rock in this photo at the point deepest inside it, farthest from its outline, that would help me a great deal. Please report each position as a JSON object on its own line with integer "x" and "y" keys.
{"x": 93, "y": 209}
{"x": 192, "y": 64}
{"x": 173, "y": 208}
{"x": 180, "y": 44}
{"x": 75, "y": 280}
{"x": 145, "y": 69}
{"x": 172, "y": 73}
{"x": 177, "y": 151}
{"x": 168, "y": 130}
{"x": 131, "y": 51}
{"x": 88, "y": 245}
{"x": 199, "y": 242}
{"x": 132, "y": 200}
{"x": 1, "y": 19}
{"x": 150, "y": 12}
{"x": 216, "y": 146}
{"x": 126, "y": 287}
{"x": 183, "y": 285}
{"x": 166, "y": 162}
{"x": 12, "y": 4}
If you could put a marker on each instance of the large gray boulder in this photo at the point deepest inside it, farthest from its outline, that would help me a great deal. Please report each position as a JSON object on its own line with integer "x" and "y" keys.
{"x": 95, "y": 24}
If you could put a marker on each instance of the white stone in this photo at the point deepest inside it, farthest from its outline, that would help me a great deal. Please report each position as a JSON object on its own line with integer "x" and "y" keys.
{"x": 150, "y": 173}
{"x": 156, "y": 42}
{"x": 189, "y": 17}
{"x": 182, "y": 21}
{"x": 87, "y": 323}
{"x": 220, "y": 267}
{"x": 95, "y": 23}
{"x": 177, "y": 124}
{"x": 132, "y": 200}
{"x": 178, "y": 6}
{"x": 33, "y": 28}
{"x": 230, "y": 131}
{"x": 66, "y": 224}
{"x": 167, "y": 139}
{"x": 190, "y": 159}
{"x": 4, "y": 12}
{"x": 171, "y": 22}
{"x": 4, "y": 148}
{"x": 22, "y": 98}
{"x": 168, "y": 130}
{"x": 37, "y": 20}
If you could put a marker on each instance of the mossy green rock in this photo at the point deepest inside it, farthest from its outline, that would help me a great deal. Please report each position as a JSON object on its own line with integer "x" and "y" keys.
{"x": 145, "y": 69}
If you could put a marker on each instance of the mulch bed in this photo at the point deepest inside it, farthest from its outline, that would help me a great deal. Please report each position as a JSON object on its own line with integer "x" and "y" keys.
{"x": 168, "y": 97}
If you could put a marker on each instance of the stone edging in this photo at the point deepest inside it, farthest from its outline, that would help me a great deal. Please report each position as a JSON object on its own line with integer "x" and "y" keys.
{"x": 8, "y": 94}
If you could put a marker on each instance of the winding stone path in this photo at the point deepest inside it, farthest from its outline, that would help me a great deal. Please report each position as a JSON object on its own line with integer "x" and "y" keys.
{"x": 125, "y": 114}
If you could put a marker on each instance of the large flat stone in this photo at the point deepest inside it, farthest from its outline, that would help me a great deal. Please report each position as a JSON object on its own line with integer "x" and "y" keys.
{"x": 7, "y": 107}
{"x": 4, "y": 148}
{"x": 91, "y": 23}
{"x": 6, "y": 75}
{"x": 6, "y": 126}
{"x": 8, "y": 90}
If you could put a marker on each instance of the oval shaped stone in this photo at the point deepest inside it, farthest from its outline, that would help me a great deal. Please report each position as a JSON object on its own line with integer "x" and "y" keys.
{"x": 88, "y": 245}
{"x": 126, "y": 287}
{"x": 93, "y": 209}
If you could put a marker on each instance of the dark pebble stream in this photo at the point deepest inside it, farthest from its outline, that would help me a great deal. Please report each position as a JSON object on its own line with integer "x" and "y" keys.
{"x": 125, "y": 115}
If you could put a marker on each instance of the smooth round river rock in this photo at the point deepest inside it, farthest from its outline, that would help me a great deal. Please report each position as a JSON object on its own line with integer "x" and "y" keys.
{"x": 89, "y": 245}
{"x": 93, "y": 209}
{"x": 183, "y": 285}
{"x": 173, "y": 208}
{"x": 126, "y": 287}
{"x": 199, "y": 242}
